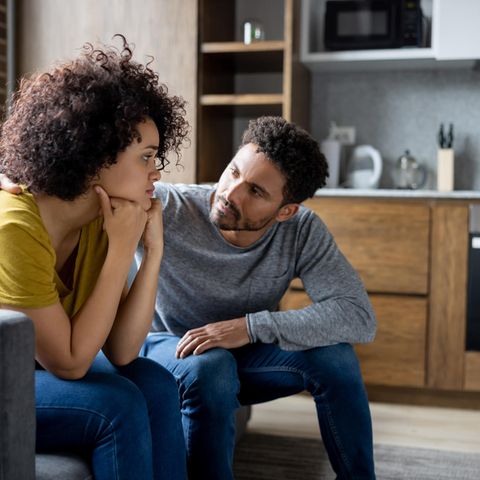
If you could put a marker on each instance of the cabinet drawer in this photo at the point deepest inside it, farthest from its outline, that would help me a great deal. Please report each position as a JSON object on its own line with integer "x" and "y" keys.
{"x": 387, "y": 242}
{"x": 397, "y": 355}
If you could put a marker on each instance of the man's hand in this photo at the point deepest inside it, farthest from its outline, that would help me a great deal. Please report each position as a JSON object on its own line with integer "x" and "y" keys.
{"x": 226, "y": 334}
{"x": 7, "y": 185}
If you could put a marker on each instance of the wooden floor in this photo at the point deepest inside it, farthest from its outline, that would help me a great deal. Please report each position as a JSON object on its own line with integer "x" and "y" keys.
{"x": 413, "y": 426}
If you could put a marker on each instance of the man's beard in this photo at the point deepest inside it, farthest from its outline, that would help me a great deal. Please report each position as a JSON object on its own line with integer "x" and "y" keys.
{"x": 218, "y": 218}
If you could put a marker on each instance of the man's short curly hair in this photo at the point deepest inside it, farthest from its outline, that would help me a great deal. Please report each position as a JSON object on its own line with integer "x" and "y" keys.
{"x": 65, "y": 125}
{"x": 295, "y": 153}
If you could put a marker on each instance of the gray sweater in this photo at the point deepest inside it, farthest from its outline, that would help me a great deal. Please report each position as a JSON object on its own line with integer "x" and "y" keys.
{"x": 204, "y": 279}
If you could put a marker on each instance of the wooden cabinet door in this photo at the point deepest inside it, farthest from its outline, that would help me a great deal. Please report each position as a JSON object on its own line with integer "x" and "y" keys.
{"x": 397, "y": 355}
{"x": 472, "y": 371}
{"x": 387, "y": 242}
{"x": 448, "y": 286}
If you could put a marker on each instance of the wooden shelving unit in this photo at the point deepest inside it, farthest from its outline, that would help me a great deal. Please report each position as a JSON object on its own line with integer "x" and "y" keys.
{"x": 239, "y": 82}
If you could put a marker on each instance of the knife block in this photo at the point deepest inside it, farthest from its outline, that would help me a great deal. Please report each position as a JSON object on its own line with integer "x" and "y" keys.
{"x": 445, "y": 169}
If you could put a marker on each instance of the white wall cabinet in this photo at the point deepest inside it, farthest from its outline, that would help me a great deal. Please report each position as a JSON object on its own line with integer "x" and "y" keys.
{"x": 455, "y": 30}
{"x": 454, "y": 41}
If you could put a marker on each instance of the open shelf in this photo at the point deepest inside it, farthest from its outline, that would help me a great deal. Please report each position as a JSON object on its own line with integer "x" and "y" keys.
{"x": 317, "y": 58}
{"x": 372, "y": 55}
{"x": 243, "y": 112}
{"x": 242, "y": 99}
{"x": 240, "y": 47}
{"x": 404, "y": 58}
{"x": 238, "y": 61}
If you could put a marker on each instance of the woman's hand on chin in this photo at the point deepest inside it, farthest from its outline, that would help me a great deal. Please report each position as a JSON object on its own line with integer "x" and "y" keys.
{"x": 123, "y": 220}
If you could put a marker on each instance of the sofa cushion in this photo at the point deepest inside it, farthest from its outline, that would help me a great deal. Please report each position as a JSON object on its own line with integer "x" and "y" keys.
{"x": 60, "y": 466}
{"x": 17, "y": 411}
{"x": 17, "y": 401}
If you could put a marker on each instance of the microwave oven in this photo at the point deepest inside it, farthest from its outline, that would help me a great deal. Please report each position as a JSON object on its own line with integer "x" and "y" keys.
{"x": 368, "y": 24}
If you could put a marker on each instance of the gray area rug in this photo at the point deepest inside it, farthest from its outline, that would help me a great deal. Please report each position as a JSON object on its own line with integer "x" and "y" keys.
{"x": 269, "y": 457}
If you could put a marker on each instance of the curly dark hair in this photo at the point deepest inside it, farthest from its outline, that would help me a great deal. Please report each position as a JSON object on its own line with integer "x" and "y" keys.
{"x": 296, "y": 154}
{"x": 67, "y": 124}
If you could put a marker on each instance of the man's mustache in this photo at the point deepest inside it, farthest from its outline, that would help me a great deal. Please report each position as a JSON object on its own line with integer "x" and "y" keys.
{"x": 231, "y": 206}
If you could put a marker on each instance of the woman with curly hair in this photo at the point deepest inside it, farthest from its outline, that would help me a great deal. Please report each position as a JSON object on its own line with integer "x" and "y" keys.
{"x": 86, "y": 142}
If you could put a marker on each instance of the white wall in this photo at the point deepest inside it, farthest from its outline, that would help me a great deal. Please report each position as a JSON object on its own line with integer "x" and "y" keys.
{"x": 51, "y": 30}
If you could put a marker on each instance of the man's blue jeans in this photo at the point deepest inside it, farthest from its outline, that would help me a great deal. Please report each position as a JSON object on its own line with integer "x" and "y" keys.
{"x": 214, "y": 384}
{"x": 128, "y": 418}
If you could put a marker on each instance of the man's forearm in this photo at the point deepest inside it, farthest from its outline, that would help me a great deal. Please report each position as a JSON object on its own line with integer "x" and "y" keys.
{"x": 320, "y": 324}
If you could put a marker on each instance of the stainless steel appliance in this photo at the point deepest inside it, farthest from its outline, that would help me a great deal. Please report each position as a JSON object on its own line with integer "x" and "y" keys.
{"x": 365, "y": 24}
{"x": 408, "y": 173}
{"x": 473, "y": 288}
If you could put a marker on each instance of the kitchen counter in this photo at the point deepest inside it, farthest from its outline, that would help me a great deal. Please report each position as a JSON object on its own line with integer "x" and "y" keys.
{"x": 411, "y": 250}
{"x": 397, "y": 193}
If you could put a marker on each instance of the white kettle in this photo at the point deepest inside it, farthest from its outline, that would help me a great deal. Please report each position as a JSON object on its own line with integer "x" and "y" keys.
{"x": 364, "y": 168}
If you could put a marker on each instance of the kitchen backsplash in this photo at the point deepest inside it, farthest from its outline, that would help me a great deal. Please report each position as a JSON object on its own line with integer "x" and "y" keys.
{"x": 395, "y": 111}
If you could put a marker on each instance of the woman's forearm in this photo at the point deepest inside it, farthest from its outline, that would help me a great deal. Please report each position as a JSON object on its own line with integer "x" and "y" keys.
{"x": 135, "y": 313}
{"x": 92, "y": 324}
{"x": 67, "y": 346}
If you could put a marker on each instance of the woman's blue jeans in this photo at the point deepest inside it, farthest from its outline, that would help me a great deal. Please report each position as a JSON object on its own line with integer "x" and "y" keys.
{"x": 127, "y": 418}
{"x": 214, "y": 384}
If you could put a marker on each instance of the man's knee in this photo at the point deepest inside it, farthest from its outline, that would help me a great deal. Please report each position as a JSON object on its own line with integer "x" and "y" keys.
{"x": 334, "y": 365}
{"x": 154, "y": 380}
{"x": 212, "y": 381}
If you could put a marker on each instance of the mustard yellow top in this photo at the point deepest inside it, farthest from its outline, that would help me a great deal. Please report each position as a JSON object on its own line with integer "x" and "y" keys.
{"x": 27, "y": 259}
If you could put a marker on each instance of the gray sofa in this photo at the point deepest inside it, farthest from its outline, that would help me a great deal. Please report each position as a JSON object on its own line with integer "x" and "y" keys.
{"x": 18, "y": 460}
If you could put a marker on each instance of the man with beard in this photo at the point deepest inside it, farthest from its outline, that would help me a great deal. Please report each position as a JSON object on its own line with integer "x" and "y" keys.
{"x": 231, "y": 251}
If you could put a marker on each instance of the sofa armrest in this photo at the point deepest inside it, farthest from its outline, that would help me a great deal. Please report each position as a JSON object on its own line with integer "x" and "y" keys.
{"x": 17, "y": 397}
